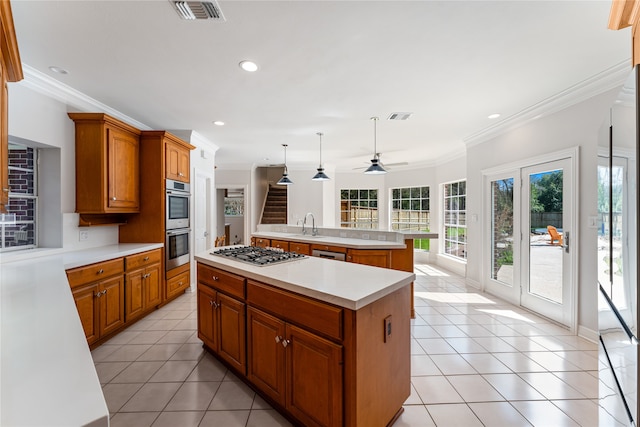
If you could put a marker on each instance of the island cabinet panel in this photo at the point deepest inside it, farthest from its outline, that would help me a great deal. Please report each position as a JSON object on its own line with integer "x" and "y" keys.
{"x": 86, "y": 304}
{"x": 266, "y": 364}
{"x": 320, "y": 317}
{"x": 222, "y": 316}
{"x": 314, "y": 378}
{"x": 178, "y": 279}
{"x": 373, "y": 257}
{"x": 297, "y": 369}
{"x": 111, "y": 305}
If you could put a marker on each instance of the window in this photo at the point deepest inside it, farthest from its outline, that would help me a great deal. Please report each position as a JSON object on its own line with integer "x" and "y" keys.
{"x": 18, "y": 228}
{"x": 455, "y": 220}
{"x": 359, "y": 208}
{"x": 410, "y": 211}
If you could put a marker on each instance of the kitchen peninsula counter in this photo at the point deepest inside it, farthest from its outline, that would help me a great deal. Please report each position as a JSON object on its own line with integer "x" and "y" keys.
{"x": 327, "y": 343}
{"x": 47, "y": 375}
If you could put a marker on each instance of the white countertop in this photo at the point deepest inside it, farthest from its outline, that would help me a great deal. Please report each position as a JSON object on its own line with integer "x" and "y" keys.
{"x": 344, "y": 284}
{"x": 345, "y": 237}
{"x": 47, "y": 375}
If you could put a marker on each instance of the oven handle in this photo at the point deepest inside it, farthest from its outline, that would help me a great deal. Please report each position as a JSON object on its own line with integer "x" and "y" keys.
{"x": 174, "y": 232}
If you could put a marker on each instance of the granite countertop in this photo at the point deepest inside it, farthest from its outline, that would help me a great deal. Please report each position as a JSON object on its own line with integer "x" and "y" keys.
{"x": 47, "y": 375}
{"x": 344, "y": 284}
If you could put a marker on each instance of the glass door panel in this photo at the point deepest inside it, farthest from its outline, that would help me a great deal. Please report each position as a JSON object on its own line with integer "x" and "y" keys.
{"x": 502, "y": 230}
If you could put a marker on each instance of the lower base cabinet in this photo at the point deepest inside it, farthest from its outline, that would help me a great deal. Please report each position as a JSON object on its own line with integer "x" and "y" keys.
{"x": 317, "y": 363}
{"x": 299, "y": 370}
{"x": 178, "y": 280}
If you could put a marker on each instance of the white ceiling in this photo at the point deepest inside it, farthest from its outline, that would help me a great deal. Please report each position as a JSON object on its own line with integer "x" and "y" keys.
{"x": 325, "y": 66}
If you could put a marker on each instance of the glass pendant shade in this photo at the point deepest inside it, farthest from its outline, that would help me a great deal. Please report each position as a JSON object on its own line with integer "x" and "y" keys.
{"x": 375, "y": 168}
{"x": 320, "y": 176}
{"x": 285, "y": 176}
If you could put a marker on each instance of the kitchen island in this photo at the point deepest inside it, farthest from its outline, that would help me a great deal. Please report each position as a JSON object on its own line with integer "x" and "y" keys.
{"x": 326, "y": 343}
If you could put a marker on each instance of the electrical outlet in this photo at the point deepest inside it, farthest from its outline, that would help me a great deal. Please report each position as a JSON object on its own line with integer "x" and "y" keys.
{"x": 365, "y": 236}
{"x": 84, "y": 235}
{"x": 387, "y": 328}
{"x": 343, "y": 234}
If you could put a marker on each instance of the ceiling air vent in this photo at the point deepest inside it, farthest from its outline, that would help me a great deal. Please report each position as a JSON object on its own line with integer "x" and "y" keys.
{"x": 399, "y": 116}
{"x": 198, "y": 10}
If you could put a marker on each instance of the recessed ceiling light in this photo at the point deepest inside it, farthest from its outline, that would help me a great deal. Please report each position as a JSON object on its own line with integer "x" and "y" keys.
{"x": 249, "y": 66}
{"x": 58, "y": 70}
{"x": 218, "y": 123}
{"x": 494, "y": 116}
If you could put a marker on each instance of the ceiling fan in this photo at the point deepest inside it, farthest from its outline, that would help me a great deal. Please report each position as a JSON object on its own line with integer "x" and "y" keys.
{"x": 384, "y": 165}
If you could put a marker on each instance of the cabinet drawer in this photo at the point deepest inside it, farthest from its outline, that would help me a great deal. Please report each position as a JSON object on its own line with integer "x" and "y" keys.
{"x": 94, "y": 272}
{"x": 228, "y": 283}
{"x": 280, "y": 244}
{"x": 177, "y": 284}
{"x": 320, "y": 317}
{"x": 142, "y": 260}
{"x": 329, "y": 248}
{"x": 300, "y": 248}
{"x": 259, "y": 241}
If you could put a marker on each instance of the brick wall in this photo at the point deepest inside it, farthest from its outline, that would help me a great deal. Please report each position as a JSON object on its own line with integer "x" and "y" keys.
{"x": 21, "y": 181}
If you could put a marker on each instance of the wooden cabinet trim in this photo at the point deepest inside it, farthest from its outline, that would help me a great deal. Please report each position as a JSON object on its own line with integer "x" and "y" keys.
{"x": 321, "y": 318}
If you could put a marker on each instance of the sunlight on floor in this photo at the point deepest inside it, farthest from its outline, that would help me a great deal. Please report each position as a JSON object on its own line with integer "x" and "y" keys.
{"x": 507, "y": 313}
{"x": 427, "y": 270}
{"x": 453, "y": 297}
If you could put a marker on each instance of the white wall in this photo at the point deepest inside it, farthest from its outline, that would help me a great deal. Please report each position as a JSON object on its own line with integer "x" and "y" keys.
{"x": 575, "y": 126}
{"x": 36, "y": 118}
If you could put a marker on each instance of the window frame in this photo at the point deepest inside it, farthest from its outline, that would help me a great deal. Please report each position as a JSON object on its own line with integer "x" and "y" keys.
{"x": 449, "y": 210}
{"x": 407, "y": 194}
{"x": 356, "y": 195}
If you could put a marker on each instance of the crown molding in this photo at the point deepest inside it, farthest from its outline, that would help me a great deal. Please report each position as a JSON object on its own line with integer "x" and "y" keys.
{"x": 42, "y": 83}
{"x": 595, "y": 85}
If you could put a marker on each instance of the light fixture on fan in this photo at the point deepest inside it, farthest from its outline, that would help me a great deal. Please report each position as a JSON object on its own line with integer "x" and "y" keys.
{"x": 285, "y": 178}
{"x": 320, "y": 176}
{"x": 375, "y": 168}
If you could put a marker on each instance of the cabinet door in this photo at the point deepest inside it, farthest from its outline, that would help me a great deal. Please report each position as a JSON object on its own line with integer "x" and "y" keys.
{"x": 134, "y": 294}
{"x": 206, "y": 316}
{"x": 314, "y": 378}
{"x": 177, "y": 284}
{"x": 374, "y": 257}
{"x": 176, "y": 162}
{"x": 266, "y": 354}
{"x": 183, "y": 164}
{"x": 153, "y": 290}
{"x": 123, "y": 176}
{"x": 86, "y": 302}
{"x": 111, "y": 305}
{"x": 232, "y": 331}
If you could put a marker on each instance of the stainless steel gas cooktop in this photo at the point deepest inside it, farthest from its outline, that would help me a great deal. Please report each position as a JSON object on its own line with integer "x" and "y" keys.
{"x": 257, "y": 255}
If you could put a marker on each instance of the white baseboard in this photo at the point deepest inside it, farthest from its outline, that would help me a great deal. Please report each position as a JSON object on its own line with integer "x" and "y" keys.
{"x": 588, "y": 334}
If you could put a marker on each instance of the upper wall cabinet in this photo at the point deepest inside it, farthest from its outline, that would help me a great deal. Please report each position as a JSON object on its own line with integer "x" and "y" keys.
{"x": 10, "y": 71}
{"x": 107, "y": 165}
{"x": 177, "y": 161}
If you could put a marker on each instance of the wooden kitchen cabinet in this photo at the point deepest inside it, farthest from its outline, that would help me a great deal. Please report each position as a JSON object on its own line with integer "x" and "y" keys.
{"x": 177, "y": 161}
{"x": 373, "y": 257}
{"x": 142, "y": 283}
{"x": 10, "y": 71}
{"x": 221, "y": 317}
{"x": 260, "y": 242}
{"x": 300, "y": 248}
{"x": 98, "y": 291}
{"x": 178, "y": 280}
{"x": 107, "y": 165}
{"x": 280, "y": 244}
{"x": 284, "y": 360}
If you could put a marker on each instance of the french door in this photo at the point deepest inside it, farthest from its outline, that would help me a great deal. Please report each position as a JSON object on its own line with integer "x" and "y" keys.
{"x": 530, "y": 232}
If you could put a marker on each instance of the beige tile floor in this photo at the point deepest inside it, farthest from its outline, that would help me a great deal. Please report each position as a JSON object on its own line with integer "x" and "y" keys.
{"x": 476, "y": 361}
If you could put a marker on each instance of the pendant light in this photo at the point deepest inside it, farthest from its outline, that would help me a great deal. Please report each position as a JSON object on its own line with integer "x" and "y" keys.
{"x": 320, "y": 176}
{"x": 285, "y": 178}
{"x": 375, "y": 168}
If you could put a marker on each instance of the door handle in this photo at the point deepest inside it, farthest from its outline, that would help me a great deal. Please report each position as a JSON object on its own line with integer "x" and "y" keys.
{"x": 566, "y": 240}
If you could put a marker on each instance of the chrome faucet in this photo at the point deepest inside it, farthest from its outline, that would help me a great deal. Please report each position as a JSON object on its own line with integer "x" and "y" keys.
{"x": 314, "y": 230}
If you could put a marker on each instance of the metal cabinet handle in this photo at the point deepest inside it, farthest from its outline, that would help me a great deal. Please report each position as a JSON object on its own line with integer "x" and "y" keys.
{"x": 100, "y": 271}
{"x": 214, "y": 304}
{"x": 113, "y": 198}
{"x": 180, "y": 174}
{"x": 146, "y": 258}
{"x": 104, "y": 292}
{"x": 285, "y": 343}
{"x": 216, "y": 278}
{"x": 97, "y": 294}
{"x": 6, "y": 190}
{"x": 278, "y": 339}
